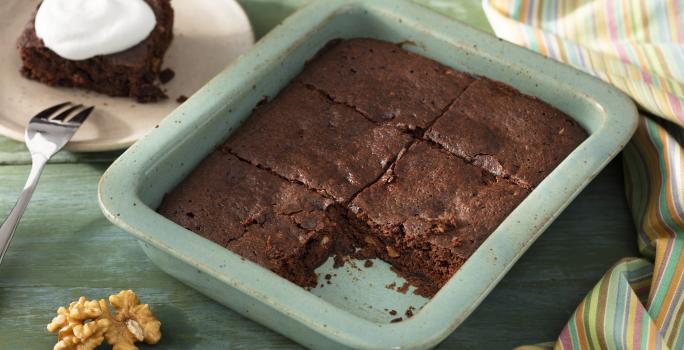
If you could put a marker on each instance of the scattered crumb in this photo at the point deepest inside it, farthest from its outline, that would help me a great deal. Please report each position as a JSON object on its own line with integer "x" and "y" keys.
{"x": 328, "y": 282}
{"x": 393, "y": 312}
{"x": 404, "y": 288}
{"x": 181, "y": 99}
{"x": 391, "y": 285}
{"x": 166, "y": 75}
{"x": 398, "y": 319}
{"x": 328, "y": 277}
{"x": 339, "y": 261}
{"x": 409, "y": 312}
{"x": 368, "y": 263}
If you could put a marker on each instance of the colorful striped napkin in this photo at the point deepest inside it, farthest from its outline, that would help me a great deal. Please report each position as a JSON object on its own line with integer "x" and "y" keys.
{"x": 638, "y": 46}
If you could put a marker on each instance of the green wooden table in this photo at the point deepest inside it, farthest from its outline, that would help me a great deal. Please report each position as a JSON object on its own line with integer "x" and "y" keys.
{"x": 65, "y": 248}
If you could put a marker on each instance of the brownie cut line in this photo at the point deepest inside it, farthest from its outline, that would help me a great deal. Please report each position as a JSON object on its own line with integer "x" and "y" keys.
{"x": 374, "y": 152}
{"x": 384, "y": 82}
{"x": 130, "y": 73}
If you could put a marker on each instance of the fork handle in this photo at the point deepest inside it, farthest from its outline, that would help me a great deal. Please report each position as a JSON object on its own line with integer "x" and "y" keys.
{"x": 10, "y": 225}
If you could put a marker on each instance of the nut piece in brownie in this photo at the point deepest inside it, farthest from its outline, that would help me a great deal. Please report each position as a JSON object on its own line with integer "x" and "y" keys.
{"x": 385, "y": 82}
{"x": 304, "y": 137}
{"x": 131, "y": 73}
{"x": 430, "y": 212}
{"x": 276, "y": 223}
{"x": 508, "y": 133}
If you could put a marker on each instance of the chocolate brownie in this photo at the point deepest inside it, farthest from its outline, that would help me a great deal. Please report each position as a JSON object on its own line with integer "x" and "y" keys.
{"x": 275, "y": 223}
{"x": 132, "y": 72}
{"x": 338, "y": 164}
{"x": 508, "y": 133}
{"x": 385, "y": 82}
{"x": 329, "y": 147}
{"x": 430, "y": 212}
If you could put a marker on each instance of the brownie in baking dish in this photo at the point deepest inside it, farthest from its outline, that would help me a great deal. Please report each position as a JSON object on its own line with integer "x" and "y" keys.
{"x": 130, "y": 73}
{"x": 508, "y": 133}
{"x": 385, "y": 82}
{"x": 279, "y": 224}
{"x": 430, "y": 212}
{"x": 371, "y": 162}
{"x": 304, "y": 137}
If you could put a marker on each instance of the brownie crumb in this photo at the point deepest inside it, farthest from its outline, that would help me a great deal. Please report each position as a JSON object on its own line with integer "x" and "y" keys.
{"x": 409, "y": 312}
{"x": 393, "y": 312}
{"x": 328, "y": 276}
{"x": 398, "y": 319}
{"x": 404, "y": 288}
{"x": 368, "y": 263}
{"x": 181, "y": 99}
{"x": 339, "y": 261}
{"x": 391, "y": 285}
{"x": 166, "y": 75}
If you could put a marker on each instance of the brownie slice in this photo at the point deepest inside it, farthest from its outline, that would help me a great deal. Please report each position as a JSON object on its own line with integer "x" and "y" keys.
{"x": 430, "y": 212}
{"x": 304, "y": 137}
{"x": 132, "y": 72}
{"x": 276, "y": 223}
{"x": 385, "y": 82}
{"x": 508, "y": 133}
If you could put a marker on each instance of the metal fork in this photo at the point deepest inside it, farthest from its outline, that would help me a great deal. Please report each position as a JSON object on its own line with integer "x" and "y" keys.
{"x": 46, "y": 134}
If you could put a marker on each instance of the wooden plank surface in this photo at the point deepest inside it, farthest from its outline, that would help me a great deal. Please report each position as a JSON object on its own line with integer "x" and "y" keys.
{"x": 65, "y": 248}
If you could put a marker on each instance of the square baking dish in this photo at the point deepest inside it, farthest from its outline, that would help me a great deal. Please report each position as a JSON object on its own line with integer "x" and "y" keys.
{"x": 352, "y": 311}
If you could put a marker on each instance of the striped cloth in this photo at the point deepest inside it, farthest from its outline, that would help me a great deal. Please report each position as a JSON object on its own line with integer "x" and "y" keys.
{"x": 638, "y": 46}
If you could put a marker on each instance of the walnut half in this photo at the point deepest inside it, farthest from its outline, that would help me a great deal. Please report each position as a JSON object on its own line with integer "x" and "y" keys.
{"x": 132, "y": 323}
{"x": 79, "y": 327}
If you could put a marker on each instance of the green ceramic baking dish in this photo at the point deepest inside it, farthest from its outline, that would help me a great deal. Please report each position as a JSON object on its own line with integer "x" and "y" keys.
{"x": 351, "y": 311}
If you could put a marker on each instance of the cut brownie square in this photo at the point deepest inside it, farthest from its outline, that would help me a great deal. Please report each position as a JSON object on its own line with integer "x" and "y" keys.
{"x": 276, "y": 223}
{"x": 385, "y": 82}
{"x": 304, "y": 137}
{"x": 508, "y": 133}
{"x": 132, "y": 72}
{"x": 430, "y": 212}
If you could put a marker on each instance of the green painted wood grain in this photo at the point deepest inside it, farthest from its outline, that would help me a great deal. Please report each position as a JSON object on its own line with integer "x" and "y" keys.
{"x": 65, "y": 248}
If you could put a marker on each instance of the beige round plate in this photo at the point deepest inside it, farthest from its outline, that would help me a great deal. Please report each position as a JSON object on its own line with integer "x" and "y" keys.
{"x": 208, "y": 35}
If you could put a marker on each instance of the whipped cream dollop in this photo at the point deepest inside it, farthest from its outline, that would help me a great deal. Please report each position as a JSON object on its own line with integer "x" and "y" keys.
{"x": 81, "y": 29}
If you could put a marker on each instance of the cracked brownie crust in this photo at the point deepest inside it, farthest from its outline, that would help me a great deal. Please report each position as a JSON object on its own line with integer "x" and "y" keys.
{"x": 432, "y": 210}
{"x": 329, "y": 147}
{"x": 511, "y": 135}
{"x": 401, "y": 159}
{"x": 276, "y": 223}
{"x": 384, "y": 82}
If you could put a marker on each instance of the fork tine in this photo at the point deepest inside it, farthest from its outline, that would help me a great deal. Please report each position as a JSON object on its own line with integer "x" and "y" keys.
{"x": 50, "y": 111}
{"x": 82, "y": 116}
{"x": 66, "y": 113}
